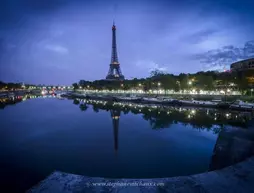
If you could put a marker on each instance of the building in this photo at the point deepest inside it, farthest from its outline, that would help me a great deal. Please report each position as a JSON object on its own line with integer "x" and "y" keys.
{"x": 244, "y": 69}
{"x": 114, "y": 72}
{"x": 243, "y": 65}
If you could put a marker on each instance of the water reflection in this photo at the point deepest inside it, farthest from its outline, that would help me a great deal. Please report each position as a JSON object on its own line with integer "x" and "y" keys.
{"x": 5, "y": 101}
{"x": 158, "y": 116}
{"x": 9, "y": 101}
{"x": 115, "y": 114}
{"x": 161, "y": 117}
{"x": 164, "y": 117}
{"x": 228, "y": 124}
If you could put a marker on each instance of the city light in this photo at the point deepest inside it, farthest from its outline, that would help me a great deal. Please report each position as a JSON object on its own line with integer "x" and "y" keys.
{"x": 193, "y": 111}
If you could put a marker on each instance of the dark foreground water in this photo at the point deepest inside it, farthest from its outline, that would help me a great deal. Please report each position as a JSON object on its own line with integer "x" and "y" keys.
{"x": 39, "y": 136}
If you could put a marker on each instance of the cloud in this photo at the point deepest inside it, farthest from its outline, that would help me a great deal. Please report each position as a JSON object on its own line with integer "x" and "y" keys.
{"x": 217, "y": 59}
{"x": 199, "y": 36}
{"x": 57, "y": 48}
{"x": 150, "y": 66}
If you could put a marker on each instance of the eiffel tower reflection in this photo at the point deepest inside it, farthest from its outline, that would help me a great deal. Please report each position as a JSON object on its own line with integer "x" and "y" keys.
{"x": 115, "y": 114}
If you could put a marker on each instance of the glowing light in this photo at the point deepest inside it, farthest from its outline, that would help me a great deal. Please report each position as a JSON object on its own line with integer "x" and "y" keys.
{"x": 227, "y": 114}
{"x": 193, "y": 111}
{"x": 189, "y": 82}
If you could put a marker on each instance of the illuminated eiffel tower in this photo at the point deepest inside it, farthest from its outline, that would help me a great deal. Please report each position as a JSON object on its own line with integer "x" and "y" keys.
{"x": 114, "y": 72}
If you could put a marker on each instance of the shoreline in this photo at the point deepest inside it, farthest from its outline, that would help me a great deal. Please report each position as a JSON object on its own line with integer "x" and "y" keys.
{"x": 172, "y": 102}
{"x": 220, "y": 181}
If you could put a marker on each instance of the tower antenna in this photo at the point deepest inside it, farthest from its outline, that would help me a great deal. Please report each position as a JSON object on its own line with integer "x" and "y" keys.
{"x": 114, "y": 13}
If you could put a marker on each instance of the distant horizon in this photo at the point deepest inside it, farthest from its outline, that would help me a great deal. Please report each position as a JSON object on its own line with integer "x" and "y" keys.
{"x": 104, "y": 79}
{"x": 61, "y": 42}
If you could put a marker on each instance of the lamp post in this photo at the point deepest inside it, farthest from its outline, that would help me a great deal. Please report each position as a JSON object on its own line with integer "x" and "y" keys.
{"x": 158, "y": 87}
{"x": 189, "y": 84}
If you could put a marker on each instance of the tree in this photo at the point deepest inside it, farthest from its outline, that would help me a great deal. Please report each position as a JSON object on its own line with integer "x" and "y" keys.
{"x": 75, "y": 86}
{"x": 83, "y": 107}
{"x": 76, "y": 101}
{"x": 204, "y": 82}
{"x": 156, "y": 72}
{"x": 243, "y": 84}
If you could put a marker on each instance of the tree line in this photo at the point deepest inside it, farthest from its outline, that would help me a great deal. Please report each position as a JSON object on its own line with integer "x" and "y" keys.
{"x": 209, "y": 80}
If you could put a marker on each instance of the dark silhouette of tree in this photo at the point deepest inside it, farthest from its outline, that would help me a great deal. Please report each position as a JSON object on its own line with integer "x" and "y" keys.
{"x": 83, "y": 107}
{"x": 76, "y": 101}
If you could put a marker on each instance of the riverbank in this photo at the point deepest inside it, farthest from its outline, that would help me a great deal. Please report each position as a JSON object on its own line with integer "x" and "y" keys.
{"x": 237, "y": 178}
{"x": 18, "y": 93}
{"x": 160, "y": 100}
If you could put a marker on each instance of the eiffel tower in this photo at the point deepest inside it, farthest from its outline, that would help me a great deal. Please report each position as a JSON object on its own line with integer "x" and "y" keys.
{"x": 114, "y": 72}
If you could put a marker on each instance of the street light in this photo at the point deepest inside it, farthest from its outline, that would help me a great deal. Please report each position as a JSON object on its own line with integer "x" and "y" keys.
{"x": 189, "y": 84}
{"x": 251, "y": 90}
{"x": 158, "y": 87}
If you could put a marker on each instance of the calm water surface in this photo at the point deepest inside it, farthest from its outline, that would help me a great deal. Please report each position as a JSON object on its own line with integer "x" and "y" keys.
{"x": 39, "y": 136}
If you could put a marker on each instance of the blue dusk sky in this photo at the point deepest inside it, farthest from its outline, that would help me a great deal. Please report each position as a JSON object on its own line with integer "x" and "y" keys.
{"x": 63, "y": 41}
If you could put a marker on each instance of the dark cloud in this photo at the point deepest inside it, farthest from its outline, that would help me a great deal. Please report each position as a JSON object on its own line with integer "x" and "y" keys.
{"x": 226, "y": 55}
{"x": 199, "y": 36}
{"x": 72, "y": 38}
